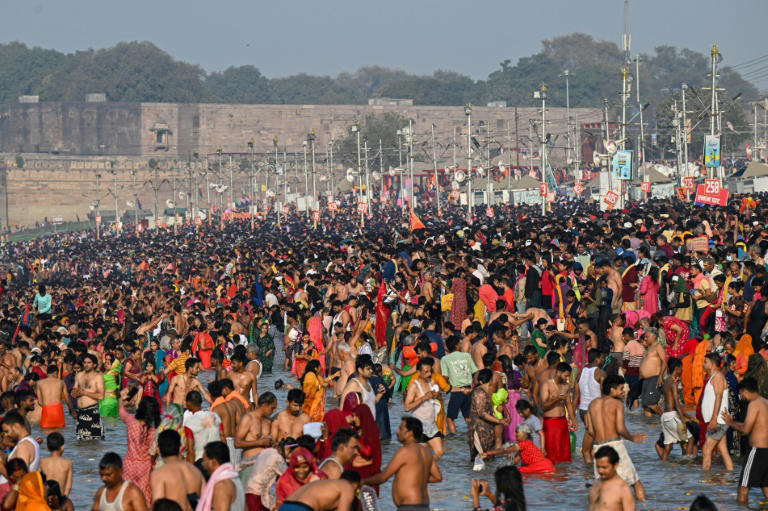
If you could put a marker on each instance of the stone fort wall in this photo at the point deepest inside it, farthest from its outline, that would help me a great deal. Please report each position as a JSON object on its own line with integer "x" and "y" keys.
{"x": 67, "y": 146}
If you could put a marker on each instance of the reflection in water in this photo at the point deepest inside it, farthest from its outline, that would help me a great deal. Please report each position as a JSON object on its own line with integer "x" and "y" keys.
{"x": 670, "y": 486}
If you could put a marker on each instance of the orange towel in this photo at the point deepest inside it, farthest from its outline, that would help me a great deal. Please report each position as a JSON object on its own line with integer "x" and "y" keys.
{"x": 53, "y": 417}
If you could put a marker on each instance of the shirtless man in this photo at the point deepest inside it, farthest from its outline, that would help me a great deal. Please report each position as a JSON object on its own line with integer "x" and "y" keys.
{"x": 245, "y": 382}
{"x": 50, "y": 393}
{"x": 753, "y": 474}
{"x": 477, "y": 351}
{"x": 89, "y": 390}
{"x": 546, "y": 374}
{"x": 413, "y": 466}
{"x": 328, "y": 495}
{"x": 227, "y": 492}
{"x": 590, "y": 338}
{"x": 226, "y": 410}
{"x": 290, "y": 422}
{"x": 111, "y": 472}
{"x": 673, "y": 419}
{"x": 345, "y": 446}
{"x": 176, "y": 479}
{"x": 614, "y": 284}
{"x": 347, "y": 362}
{"x": 56, "y": 467}
{"x": 532, "y": 314}
{"x": 610, "y": 493}
{"x": 652, "y": 373}
{"x": 183, "y": 384}
{"x": 253, "y": 431}
{"x": 555, "y": 401}
{"x": 605, "y": 424}
{"x": 254, "y": 364}
{"x": 533, "y": 366}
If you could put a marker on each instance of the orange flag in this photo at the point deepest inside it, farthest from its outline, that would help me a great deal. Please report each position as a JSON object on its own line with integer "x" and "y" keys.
{"x": 415, "y": 222}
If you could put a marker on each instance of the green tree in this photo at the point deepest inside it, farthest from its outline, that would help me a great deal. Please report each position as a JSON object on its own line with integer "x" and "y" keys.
{"x": 373, "y": 128}
{"x": 244, "y": 84}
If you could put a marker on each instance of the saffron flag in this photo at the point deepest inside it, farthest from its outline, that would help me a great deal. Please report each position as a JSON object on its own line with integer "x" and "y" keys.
{"x": 415, "y": 222}
{"x": 383, "y": 312}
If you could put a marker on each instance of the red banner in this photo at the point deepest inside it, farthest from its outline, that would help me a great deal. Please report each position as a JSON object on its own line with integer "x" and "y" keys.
{"x": 611, "y": 198}
{"x": 711, "y": 194}
{"x": 645, "y": 187}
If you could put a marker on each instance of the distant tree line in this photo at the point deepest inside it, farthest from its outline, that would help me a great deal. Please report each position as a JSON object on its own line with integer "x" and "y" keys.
{"x": 140, "y": 71}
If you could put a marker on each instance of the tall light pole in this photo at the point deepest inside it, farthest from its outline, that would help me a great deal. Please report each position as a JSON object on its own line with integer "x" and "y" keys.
{"x": 253, "y": 202}
{"x": 641, "y": 145}
{"x": 135, "y": 197}
{"x": 400, "y": 168}
{"x": 542, "y": 95}
{"x": 567, "y": 74}
{"x": 331, "y": 177}
{"x": 275, "y": 140}
{"x": 306, "y": 175}
{"x": 311, "y": 137}
{"x": 367, "y": 179}
{"x": 219, "y": 151}
{"x": 117, "y": 206}
{"x": 410, "y": 157}
{"x": 356, "y": 130}
{"x": 468, "y": 114}
{"x": 684, "y": 128}
{"x": 98, "y": 206}
{"x": 714, "y": 113}
{"x": 434, "y": 162}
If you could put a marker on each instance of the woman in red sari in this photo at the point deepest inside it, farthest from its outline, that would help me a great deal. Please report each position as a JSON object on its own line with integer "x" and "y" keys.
{"x": 677, "y": 332}
{"x": 302, "y": 470}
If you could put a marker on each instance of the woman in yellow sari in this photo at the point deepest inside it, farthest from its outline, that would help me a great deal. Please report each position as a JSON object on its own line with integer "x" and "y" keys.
{"x": 31, "y": 494}
{"x": 313, "y": 384}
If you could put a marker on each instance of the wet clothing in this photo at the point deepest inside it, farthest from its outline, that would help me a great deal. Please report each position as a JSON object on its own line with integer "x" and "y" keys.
{"x": 557, "y": 439}
{"x": 89, "y": 425}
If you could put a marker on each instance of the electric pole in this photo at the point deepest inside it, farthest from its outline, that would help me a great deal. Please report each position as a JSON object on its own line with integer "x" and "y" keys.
{"x": 542, "y": 94}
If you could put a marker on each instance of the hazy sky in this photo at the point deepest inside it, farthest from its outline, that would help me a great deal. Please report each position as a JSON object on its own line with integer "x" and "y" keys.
{"x": 290, "y": 36}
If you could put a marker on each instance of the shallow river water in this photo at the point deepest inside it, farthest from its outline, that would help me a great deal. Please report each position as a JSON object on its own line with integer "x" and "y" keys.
{"x": 670, "y": 486}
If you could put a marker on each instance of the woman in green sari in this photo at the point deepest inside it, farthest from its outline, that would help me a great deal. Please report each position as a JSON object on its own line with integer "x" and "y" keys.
{"x": 108, "y": 407}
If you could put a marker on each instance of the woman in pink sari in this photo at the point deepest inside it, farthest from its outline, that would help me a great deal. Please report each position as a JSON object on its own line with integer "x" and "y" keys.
{"x": 649, "y": 292}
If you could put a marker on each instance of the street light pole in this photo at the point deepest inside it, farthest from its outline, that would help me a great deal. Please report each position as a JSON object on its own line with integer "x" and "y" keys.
{"x": 400, "y": 169}
{"x": 542, "y": 94}
{"x": 685, "y": 130}
{"x": 434, "y": 162}
{"x": 117, "y": 208}
{"x": 253, "y": 183}
{"x": 330, "y": 169}
{"x": 306, "y": 175}
{"x": 219, "y": 151}
{"x": 567, "y": 75}
{"x": 468, "y": 113}
{"x": 356, "y": 129}
{"x": 410, "y": 156}
{"x": 314, "y": 180}
{"x": 367, "y": 180}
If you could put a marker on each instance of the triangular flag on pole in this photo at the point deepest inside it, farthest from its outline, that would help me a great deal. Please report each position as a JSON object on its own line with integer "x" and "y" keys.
{"x": 415, "y": 222}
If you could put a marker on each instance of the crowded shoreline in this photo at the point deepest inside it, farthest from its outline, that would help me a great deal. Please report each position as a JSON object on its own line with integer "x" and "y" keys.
{"x": 547, "y": 335}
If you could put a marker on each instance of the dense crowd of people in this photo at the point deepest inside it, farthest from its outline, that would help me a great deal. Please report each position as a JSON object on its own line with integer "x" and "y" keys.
{"x": 529, "y": 327}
